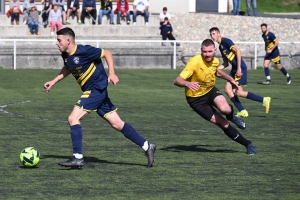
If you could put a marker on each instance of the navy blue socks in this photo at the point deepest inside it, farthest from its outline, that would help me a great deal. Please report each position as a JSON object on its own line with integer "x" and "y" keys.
{"x": 130, "y": 133}
{"x": 76, "y": 135}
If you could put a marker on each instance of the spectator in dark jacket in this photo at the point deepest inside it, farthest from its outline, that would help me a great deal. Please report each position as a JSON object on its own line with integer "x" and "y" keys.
{"x": 73, "y": 7}
{"x": 121, "y": 10}
{"x": 166, "y": 31}
{"x": 89, "y": 8}
{"x": 106, "y": 9}
{"x": 46, "y": 10}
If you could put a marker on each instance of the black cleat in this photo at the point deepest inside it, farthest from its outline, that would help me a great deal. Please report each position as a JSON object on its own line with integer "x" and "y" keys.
{"x": 289, "y": 80}
{"x": 239, "y": 122}
{"x": 150, "y": 153}
{"x": 73, "y": 163}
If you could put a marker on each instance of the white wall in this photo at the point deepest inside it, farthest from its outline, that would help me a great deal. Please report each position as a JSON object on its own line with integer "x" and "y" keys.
{"x": 174, "y": 6}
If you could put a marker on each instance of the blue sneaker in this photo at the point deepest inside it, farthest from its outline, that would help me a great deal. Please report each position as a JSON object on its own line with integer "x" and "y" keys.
{"x": 251, "y": 150}
{"x": 239, "y": 122}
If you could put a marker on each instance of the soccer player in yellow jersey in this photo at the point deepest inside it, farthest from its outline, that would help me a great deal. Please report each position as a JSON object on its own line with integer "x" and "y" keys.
{"x": 199, "y": 79}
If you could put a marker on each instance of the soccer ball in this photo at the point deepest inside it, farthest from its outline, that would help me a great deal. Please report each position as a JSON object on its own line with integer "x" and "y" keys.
{"x": 30, "y": 157}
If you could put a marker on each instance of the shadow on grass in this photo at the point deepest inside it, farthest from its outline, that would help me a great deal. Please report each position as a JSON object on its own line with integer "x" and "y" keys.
{"x": 23, "y": 167}
{"x": 89, "y": 160}
{"x": 195, "y": 148}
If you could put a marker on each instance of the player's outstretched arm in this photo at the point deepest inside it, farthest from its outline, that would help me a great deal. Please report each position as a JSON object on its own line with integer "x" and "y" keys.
{"x": 63, "y": 73}
{"x": 180, "y": 82}
{"x": 111, "y": 70}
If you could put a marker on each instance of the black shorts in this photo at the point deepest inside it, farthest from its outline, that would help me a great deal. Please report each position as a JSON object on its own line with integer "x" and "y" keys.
{"x": 203, "y": 105}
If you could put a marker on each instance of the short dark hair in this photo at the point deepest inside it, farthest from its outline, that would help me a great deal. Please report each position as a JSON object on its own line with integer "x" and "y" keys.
{"x": 214, "y": 29}
{"x": 66, "y": 32}
{"x": 208, "y": 42}
{"x": 166, "y": 18}
{"x": 264, "y": 24}
{"x": 165, "y": 9}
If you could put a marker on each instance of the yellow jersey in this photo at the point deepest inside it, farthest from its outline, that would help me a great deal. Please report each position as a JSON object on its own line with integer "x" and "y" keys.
{"x": 198, "y": 70}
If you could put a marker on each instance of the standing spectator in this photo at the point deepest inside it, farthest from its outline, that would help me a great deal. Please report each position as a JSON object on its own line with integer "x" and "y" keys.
{"x": 45, "y": 12}
{"x": 89, "y": 8}
{"x": 106, "y": 9}
{"x": 55, "y": 19}
{"x": 121, "y": 10}
{"x": 236, "y": 7}
{"x": 61, "y": 7}
{"x": 166, "y": 31}
{"x": 15, "y": 10}
{"x": 26, "y": 9}
{"x": 33, "y": 20}
{"x": 164, "y": 14}
{"x": 253, "y": 3}
{"x": 73, "y": 7}
{"x": 140, "y": 7}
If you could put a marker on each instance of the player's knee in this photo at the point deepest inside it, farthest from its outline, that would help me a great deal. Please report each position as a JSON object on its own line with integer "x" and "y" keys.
{"x": 278, "y": 67}
{"x": 73, "y": 120}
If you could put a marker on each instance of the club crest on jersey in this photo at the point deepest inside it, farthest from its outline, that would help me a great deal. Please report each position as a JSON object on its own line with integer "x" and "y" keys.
{"x": 76, "y": 60}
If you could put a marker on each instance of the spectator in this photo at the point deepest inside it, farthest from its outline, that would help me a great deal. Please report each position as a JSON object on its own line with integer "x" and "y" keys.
{"x": 55, "y": 19}
{"x": 45, "y": 12}
{"x": 166, "y": 31}
{"x": 121, "y": 10}
{"x": 61, "y": 7}
{"x": 73, "y": 7}
{"x": 140, "y": 7}
{"x": 89, "y": 7}
{"x": 26, "y": 9}
{"x": 106, "y": 9}
{"x": 33, "y": 20}
{"x": 164, "y": 14}
{"x": 253, "y": 3}
{"x": 14, "y": 11}
{"x": 236, "y": 7}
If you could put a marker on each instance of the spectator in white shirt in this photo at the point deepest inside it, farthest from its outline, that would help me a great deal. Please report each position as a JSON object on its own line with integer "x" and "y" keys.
{"x": 140, "y": 7}
{"x": 164, "y": 14}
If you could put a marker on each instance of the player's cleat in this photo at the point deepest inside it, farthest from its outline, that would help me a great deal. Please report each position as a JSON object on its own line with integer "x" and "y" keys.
{"x": 73, "y": 163}
{"x": 239, "y": 122}
{"x": 251, "y": 149}
{"x": 267, "y": 82}
{"x": 242, "y": 113}
{"x": 289, "y": 80}
{"x": 266, "y": 103}
{"x": 150, "y": 153}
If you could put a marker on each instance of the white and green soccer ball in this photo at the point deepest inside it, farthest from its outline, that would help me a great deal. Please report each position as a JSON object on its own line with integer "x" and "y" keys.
{"x": 30, "y": 157}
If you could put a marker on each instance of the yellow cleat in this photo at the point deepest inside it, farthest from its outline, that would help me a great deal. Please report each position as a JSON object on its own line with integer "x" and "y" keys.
{"x": 266, "y": 103}
{"x": 242, "y": 113}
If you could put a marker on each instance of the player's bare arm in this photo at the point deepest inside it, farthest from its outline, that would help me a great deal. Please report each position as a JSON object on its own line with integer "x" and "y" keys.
{"x": 111, "y": 70}
{"x": 180, "y": 82}
{"x": 221, "y": 74}
{"x": 63, "y": 73}
{"x": 224, "y": 64}
{"x": 238, "y": 58}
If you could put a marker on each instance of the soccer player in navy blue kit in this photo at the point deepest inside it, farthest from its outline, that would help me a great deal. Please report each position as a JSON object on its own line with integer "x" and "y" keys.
{"x": 232, "y": 54}
{"x": 272, "y": 54}
{"x": 84, "y": 63}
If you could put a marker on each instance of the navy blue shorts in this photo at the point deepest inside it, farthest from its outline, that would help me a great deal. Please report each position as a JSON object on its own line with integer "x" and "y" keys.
{"x": 274, "y": 56}
{"x": 96, "y": 100}
{"x": 242, "y": 80}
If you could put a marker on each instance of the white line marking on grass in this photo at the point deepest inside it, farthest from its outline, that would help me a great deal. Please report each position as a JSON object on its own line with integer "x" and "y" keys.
{"x": 2, "y": 110}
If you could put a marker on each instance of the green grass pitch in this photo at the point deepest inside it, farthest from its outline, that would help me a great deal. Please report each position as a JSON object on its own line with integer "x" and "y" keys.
{"x": 194, "y": 160}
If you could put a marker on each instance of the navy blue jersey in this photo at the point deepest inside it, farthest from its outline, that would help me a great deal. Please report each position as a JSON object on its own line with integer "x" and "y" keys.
{"x": 225, "y": 48}
{"x": 269, "y": 39}
{"x": 86, "y": 66}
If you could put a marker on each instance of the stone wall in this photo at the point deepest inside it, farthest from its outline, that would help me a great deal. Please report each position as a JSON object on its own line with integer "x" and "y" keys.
{"x": 195, "y": 27}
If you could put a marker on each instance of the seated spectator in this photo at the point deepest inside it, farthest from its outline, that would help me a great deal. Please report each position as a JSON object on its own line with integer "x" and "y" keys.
{"x": 106, "y": 9}
{"x": 164, "y": 14}
{"x": 73, "y": 8}
{"x": 33, "y": 20}
{"x": 121, "y": 10}
{"x": 140, "y": 7}
{"x": 166, "y": 31}
{"x": 55, "y": 19}
{"x": 61, "y": 7}
{"x": 46, "y": 11}
{"x": 26, "y": 8}
{"x": 14, "y": 11}
{"x": 89, "y": 8}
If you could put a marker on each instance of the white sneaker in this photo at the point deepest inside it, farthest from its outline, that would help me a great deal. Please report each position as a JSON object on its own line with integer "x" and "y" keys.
{"x": 134, "y": 23}
{"x": 147, "y": 23}
{"x": 52, "y": 33}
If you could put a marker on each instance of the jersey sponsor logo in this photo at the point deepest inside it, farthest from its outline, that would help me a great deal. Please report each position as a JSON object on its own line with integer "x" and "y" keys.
{"x": 76, "y": 60}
